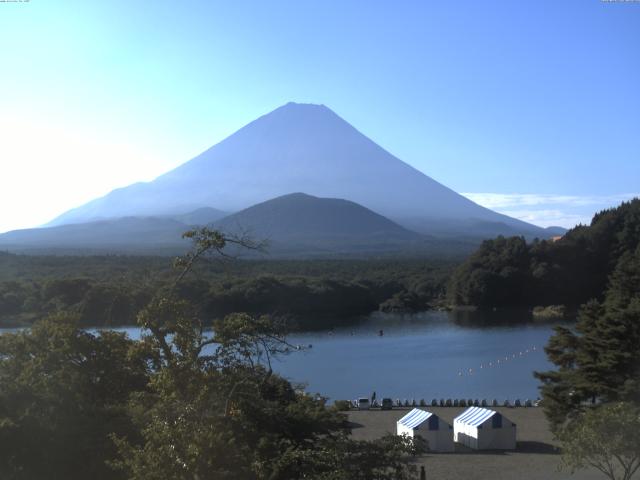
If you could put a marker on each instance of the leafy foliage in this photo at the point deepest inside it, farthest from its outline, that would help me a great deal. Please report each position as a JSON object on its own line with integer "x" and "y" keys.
{"x": 109, "y": 291}
{"x": 606, "y": 438}
{"x": 600, "y": 360}
{"x": 181, "y": 403}
{"x": 62, "y": 391}
{"x": 570, "y": 271}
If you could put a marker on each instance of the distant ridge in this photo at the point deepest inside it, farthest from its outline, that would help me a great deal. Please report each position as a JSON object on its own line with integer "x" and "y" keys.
{"x": 200, "y": 216}
{"x": 301, "y": 147}
{"x": 116, "y": 235}
{"x": 295, "y": 226}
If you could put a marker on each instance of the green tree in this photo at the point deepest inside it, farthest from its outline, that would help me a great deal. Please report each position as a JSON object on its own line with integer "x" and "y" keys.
{"x": 340, "y": 458}
{"x": 571, "y": 271}
{"x": 606, "y": 438}
{"x": 215, "y": 409}
{"x": 600, "y": 360}
{"x": 495, "y": 275}
{"x": 63, "y": 391}
{"x": 180, "y": 403}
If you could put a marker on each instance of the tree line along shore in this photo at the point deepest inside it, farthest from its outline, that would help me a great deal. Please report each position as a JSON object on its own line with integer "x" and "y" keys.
{"x": 111, "y": 290}
{"x": 554, "y": 276}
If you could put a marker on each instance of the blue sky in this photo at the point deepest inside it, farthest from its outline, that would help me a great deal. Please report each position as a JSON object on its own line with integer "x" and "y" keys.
{"x": 531, "y": 107}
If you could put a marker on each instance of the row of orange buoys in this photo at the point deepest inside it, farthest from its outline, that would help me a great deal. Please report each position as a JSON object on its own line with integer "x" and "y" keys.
{"x": 500, "y": 361}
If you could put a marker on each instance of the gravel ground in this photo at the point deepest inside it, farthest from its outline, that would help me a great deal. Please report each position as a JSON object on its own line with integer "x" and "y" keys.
{"x": 536, "y": 457}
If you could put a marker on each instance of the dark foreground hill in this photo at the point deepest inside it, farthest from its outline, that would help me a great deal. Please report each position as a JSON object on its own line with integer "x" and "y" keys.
{"x": 303, "y": 221}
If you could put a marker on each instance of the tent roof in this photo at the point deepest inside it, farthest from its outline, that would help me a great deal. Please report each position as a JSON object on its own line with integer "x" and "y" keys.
{"x": 475, "y": 416}
{"x": 414, "y": 418}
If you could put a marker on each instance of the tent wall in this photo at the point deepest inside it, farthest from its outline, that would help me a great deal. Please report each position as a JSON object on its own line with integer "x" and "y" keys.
{"x": 404, "y": 430}
{"x": 485, "y": 436}
{"x": 466, "y": 435}
{"x": 497, "y": 438}
{"x": 440, "y": 440}
{"x": 438, "y": 434}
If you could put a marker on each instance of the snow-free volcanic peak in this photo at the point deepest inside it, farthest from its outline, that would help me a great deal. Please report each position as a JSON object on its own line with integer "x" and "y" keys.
{"x": 297, "y": 148}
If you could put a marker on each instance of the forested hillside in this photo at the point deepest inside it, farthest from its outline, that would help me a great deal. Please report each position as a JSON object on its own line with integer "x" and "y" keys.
{"x": 111, "y": 290}
{"x": 569, "y": 271}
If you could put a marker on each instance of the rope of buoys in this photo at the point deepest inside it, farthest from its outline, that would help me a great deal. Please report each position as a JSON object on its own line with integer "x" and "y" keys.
{"x": 498, "y": 361}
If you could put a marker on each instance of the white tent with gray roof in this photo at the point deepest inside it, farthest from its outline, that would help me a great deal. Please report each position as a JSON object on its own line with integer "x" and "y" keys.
{"x": 484, "y": 429}
{"x": 429, "y": 426}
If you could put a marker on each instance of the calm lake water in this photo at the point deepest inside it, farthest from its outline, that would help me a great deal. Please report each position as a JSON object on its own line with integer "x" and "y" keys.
{"x": 426, "y": 355}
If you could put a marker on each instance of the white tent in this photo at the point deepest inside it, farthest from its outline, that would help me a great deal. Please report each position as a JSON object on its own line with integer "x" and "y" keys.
{"x": 428, "y": 426}
{"x": 483, "y": 429}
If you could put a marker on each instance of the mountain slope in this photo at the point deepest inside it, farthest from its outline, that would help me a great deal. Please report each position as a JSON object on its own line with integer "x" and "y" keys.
{"x": 200, "y": 216}
{"x": 123, "y": 234}
{"x": 297, "y": 147}
{"x": 302, "y": 226}
{"x": 301, "y": 217}
{"x": 295, "y": 225}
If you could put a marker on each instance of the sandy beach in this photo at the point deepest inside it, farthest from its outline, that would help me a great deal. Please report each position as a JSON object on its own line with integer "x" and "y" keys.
{"x": 536, "y": 457}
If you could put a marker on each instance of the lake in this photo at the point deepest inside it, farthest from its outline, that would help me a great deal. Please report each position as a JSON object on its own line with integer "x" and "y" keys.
{"x": 421, "y": 356}
{"x": 426, "y": 355}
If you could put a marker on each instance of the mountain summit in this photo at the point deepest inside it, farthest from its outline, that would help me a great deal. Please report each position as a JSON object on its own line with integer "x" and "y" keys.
{"x": 299, "y": 147}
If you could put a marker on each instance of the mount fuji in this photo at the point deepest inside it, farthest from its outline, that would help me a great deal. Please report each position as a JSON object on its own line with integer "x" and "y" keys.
{"x": 303, "y": 148}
